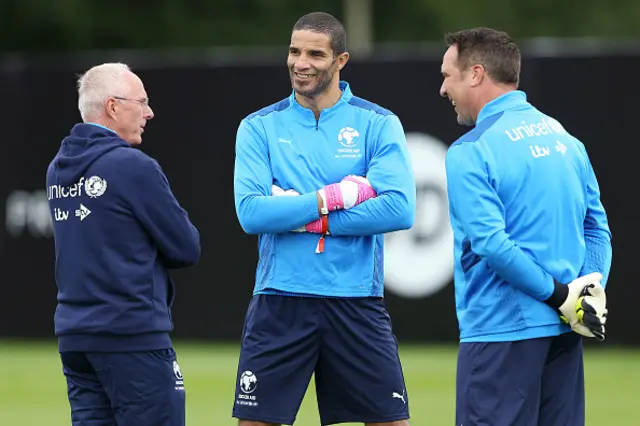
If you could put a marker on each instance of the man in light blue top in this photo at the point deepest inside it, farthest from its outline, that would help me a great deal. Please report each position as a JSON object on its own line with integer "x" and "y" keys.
{"x": 318, "y": 297}
{"x": 532, "y": 241}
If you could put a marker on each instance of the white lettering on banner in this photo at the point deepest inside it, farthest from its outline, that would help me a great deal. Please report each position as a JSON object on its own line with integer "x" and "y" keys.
{"x": 418, "y": 262}
{"x": 546, "y": 126}
{"x": 28, "y": 212}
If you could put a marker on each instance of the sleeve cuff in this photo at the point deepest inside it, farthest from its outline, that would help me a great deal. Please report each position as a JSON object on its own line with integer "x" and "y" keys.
{"x": 559, "y": 295}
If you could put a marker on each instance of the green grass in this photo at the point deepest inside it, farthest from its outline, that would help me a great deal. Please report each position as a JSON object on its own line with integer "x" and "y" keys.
{"x": 33, "y": 390}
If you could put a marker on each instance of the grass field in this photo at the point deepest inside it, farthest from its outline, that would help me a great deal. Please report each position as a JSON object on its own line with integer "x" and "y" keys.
{"x": 33, "y": 390}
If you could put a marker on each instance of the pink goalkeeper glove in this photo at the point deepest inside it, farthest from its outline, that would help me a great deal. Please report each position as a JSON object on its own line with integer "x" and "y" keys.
{"x": 351, "y": 191}
{"x": 278, "y": 192}
{"x": 314, "y": 227}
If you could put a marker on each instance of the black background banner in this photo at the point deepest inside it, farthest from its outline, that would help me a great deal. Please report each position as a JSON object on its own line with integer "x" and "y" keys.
{"x": 197, "y": 111}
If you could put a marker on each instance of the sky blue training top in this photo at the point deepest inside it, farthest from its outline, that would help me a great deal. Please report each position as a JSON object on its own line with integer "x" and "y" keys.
{"x": 284, "y": 144}
{"x": 525, "y": 208}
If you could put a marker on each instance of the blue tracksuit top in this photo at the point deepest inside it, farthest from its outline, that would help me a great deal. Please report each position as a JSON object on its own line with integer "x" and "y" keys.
{"x": 284, "y": 144}
{"x": 118, "y": 230}
{"x": 525, "y": 208}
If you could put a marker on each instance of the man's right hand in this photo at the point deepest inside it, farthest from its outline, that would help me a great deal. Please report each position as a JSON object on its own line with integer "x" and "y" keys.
{"x": 582, "y": 304}
{"x": 592, "y": 310}
{"x": 350, "y": 192}
{"x": 278, "y": 192}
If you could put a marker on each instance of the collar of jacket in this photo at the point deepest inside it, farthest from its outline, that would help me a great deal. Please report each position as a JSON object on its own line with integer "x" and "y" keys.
{"x": 515, "y": 99}
{"x": 344, "y": 99}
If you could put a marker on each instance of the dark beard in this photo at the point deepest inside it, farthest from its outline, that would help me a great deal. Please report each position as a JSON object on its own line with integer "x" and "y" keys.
{"x": 323, "y": 80}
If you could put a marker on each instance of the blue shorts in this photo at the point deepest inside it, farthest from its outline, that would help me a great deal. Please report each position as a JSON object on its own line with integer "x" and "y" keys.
{"x": 125, "y": 389}
{"x": 347, "y": 343}
{"x": 526, "y": 383}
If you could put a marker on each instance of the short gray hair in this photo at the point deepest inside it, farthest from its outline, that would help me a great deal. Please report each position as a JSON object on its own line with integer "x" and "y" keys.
{"x": 97, "y": 84}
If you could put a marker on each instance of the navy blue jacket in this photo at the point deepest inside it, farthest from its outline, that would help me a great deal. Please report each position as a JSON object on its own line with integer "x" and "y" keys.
{"x": 118, "y": 229}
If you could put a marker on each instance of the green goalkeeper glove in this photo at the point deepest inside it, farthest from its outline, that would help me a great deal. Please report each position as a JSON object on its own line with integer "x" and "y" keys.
{"x": 582, "y": 304}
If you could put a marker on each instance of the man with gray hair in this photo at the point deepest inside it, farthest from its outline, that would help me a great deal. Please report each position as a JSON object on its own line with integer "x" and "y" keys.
{"x": 118, "y": 229}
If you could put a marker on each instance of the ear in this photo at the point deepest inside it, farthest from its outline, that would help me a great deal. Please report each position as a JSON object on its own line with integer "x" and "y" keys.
{"x": 110, "y": 107}
{"x": 477, "y": 74}
{"x": 342, "y": 60}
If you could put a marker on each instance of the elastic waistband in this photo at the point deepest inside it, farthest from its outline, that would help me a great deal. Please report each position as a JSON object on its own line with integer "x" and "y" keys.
{"x": 113, "y": 343}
